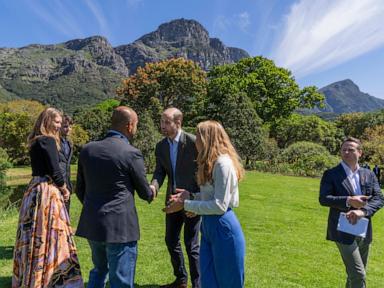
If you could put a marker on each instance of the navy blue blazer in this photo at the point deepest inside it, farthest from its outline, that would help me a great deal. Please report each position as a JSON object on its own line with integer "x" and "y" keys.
{"x": 109, "y": 173}
{"x": 186, "y": 165}
{"x": 334, "y": 190}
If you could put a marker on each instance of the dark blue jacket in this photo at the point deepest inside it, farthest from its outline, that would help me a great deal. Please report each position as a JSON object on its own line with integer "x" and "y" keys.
{"x": 334, "y": 190}
{"x": 109, "y": 172}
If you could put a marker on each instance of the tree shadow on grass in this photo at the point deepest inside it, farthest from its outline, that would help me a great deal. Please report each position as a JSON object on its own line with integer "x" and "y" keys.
{"x": 6, "y": 252}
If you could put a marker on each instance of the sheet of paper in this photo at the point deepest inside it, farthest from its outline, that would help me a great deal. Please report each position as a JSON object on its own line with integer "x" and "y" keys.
{"x": 358, "y": 229}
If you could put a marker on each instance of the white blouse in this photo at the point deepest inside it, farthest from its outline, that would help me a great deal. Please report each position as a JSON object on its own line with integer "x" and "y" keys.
{"x": 216, "y": 197}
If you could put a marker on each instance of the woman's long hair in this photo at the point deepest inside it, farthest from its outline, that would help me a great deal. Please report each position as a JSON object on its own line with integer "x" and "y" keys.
{"x": 215, "y": 142}
{"x": 44, "y": 126}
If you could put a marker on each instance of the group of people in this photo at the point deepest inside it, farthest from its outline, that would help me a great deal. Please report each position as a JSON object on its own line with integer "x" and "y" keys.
{"x": 203, "y": 173}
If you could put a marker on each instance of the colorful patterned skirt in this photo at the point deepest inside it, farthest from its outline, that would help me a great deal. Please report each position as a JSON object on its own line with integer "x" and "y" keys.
{"x": 45, "y": 252}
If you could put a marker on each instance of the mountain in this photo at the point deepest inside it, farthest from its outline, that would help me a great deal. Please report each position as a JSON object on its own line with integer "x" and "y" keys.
{"x": 179, "y": 38}
{"x": 345, "y": 97}
{"x": 82, "y": 72}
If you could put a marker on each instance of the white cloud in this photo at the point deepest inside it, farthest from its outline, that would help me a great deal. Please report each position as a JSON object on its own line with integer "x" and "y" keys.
{"x": 57, "y": 16}
{"x": 221, "y": 23}
{"x": 319, "y": 34}
{"x": 100, "y": 18}
{"x": 241, "y": 21}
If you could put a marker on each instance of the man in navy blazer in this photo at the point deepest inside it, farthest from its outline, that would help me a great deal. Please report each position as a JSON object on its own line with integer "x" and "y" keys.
{"x": 354, "y": 190}
{"x": 176, "y": 159}
{"x": 109, "y": 172}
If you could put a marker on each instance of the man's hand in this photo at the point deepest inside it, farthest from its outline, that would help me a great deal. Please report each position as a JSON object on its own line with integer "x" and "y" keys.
{"x": 182, "y": 193}
{"x": 173, "y": 207}
{"x": 354, "y": 215}
{"x": 66, "y": 194}
{"x": 153, "y": 188}
{"x": 190, "y": 214}
{"x": 357, "y": 201}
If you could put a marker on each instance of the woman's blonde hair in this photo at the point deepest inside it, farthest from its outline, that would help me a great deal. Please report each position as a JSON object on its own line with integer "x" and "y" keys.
{"x": 215, "y": 142}
{"x": 44, "y": 126}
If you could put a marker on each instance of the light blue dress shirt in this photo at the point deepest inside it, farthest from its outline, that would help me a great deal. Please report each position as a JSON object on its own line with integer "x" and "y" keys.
{"x": 173, "y": 146}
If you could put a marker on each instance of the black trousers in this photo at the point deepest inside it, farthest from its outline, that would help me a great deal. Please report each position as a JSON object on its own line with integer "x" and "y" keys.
{"x": 174, "y": 223}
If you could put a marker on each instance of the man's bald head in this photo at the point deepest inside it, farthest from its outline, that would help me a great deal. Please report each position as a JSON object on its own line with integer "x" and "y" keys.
{"x": 122, "y": 118}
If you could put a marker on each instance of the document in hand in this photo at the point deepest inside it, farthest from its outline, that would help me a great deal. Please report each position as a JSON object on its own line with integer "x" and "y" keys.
{"x": 358, "y": 229}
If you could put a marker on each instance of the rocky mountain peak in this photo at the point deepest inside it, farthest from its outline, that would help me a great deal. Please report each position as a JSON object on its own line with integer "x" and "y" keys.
{"x": 101, "y": 50}
{"x": 182, "y": 31}
{"x": 93, "y": 41}
{"x": 179, "y": 38}
{"x": 344, "y": 85}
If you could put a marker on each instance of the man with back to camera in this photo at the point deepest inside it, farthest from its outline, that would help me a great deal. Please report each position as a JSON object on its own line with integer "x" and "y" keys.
{"x": 109, "y": 171}
{"x": 354, "y": 190}
{"x": 176, "y": 158}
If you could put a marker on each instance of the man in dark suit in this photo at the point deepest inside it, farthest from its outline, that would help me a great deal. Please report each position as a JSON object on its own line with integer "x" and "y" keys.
{"x": 65, "y": 154}
{"x": 109, "y": 171}
{"x": 176, "y": 158}
{"x": 355, "y": 191}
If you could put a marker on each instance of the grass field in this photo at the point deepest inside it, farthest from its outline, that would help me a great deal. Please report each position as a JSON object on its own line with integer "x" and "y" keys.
{"x": 284, "y": 227}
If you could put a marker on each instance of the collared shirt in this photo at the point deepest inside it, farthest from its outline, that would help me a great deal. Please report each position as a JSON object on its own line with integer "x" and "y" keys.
{"x": 353, "y": 177}
{"x": 173, "y": 146}
{"x": 218, "y": 195}
{"x": 112, "y": 132}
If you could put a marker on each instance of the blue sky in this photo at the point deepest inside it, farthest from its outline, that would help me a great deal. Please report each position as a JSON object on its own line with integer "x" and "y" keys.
{"x": 320, "y": 41}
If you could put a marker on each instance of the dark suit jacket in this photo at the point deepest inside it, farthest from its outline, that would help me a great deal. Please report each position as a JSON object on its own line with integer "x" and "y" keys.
{"x": 65, "y": 166}
{"x": 334, "y": 190}
{"x": 109, "y": 171}
{"x": 186, "y": 166}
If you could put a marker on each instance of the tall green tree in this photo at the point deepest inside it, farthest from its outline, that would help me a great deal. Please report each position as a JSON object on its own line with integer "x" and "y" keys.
{"x": 243, "y": 125}
{"x": 95, "y": 120}
{"x": 177, "y": 82}
{"x": 14, "y": 130}
{"x": 146, "y": 138}
{"x": 307, "y": 128}
{"x": 272, "y": 90}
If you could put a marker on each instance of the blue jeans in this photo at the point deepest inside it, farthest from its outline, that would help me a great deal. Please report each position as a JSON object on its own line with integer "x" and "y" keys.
{"x": 222, "y": 251}
{"x": 116, "y": 259}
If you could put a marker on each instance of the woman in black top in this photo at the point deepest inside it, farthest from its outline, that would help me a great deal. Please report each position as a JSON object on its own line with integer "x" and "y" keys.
{"x": 45, "y": 253}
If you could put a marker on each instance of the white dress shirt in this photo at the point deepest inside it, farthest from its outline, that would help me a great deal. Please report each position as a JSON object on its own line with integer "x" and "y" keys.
{"x": 219, "y": 195}
{"x": 353, "y": 177}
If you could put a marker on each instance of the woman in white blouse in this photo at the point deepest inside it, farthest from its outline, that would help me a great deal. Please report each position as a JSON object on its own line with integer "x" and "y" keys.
{"x": 222, "y": 247}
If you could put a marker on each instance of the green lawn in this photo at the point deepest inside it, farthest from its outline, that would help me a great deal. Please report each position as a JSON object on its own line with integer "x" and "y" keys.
{"x": 284, "y": 227}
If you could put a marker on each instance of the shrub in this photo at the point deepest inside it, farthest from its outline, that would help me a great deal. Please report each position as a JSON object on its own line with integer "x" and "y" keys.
{"x": 4, "y": 165}
{"x": 307, "y": 158}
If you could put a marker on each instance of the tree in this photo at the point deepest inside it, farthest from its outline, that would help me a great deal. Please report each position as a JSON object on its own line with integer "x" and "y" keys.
{"x": 97, "y": 119}
{"x": 307, "y": 128}
{"x": 4, "y": 165}
{"x": 14, "y": 130}
{"x": 373, "y": 145}
{"x": 32, "y": 108}
{"x": 79, "y": 137}
{"x": 177, "y": 82}
{"x": 355, "y": 124}
{"x": 146, "y": 138}
{"x": 243, "y": 125}
{"x": 272, "y": 90}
